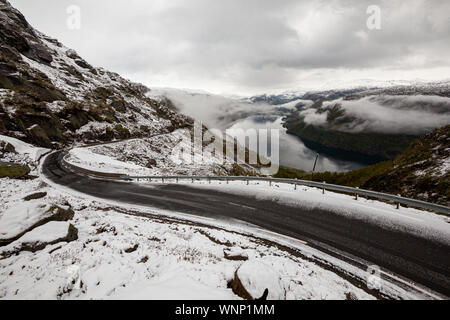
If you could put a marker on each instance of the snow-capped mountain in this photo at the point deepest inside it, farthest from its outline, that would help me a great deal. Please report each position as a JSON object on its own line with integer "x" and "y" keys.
{"x": 358, "y": 89}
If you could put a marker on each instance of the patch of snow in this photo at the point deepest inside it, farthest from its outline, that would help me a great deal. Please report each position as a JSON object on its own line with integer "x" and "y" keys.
{"x": 85, "y": 158}
{"x": 23, "y": 148}
{"x": 445, "y": 166}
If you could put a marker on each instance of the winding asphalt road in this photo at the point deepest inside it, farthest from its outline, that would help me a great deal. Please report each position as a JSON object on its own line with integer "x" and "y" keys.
{"x": 422, "y": 261}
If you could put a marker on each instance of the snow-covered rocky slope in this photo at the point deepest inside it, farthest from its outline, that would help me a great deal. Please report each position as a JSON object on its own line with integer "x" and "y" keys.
{"x": 155, "y": 156}
{"x": 420, "y": 172}
{"x": 50, "y": 96}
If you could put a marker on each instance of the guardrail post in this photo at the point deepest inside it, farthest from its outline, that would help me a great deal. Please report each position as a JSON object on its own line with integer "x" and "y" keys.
{"x": 192, "y": 180}
{"x": 323, "y": 189}
{"x": 177, "y": 180}
{"x": 247, "y": 181}
{"x": 270, "y": 183}
{"x": 397, "y": 204}
{"x": 356, "y": 195}
{"x": 209, "y": 180}
{"x": 227, "y": 180}
{"x": 295, "y": 186}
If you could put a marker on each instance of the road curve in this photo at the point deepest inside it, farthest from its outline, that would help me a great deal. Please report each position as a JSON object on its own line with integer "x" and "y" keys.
{"x": 422, "y": 261}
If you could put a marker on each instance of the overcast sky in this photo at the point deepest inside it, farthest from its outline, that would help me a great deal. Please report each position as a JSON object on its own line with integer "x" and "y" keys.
{"x": 253, "y": 46}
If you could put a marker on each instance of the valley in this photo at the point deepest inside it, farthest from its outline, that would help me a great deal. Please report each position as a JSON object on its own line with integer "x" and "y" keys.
{"x": 113, "y": 189}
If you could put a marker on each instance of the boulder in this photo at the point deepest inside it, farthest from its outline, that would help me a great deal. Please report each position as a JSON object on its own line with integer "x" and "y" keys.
{"x": 40, "y": 237}
{"x": 26, "y": 216}
{"x": 34, "y": 196}
{"x": 38, "y": 136}
{"x": 255, "y": 280}
{"x": 151, "y": 163}
{"x": 72, "y": 54}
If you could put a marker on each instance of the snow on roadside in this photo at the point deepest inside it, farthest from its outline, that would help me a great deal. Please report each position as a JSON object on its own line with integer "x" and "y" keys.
{"x": 87, "y": 159}
{"x": 123, "y": 256}
{"x": 13, "y": 191}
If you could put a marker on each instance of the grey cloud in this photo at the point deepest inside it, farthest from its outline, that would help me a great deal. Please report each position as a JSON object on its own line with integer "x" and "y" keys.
{"x": 252, "y": 44}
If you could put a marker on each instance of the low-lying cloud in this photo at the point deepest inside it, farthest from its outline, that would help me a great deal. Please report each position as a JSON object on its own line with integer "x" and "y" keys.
{"x": 218, "y": 111}
{"x": 413, "y": 115}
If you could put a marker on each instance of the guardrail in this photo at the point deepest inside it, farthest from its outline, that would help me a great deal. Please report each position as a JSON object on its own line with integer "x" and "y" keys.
{"x": 324, "y": 186}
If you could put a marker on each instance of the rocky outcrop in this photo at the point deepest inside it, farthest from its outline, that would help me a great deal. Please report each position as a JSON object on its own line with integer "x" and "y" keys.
{"x": 20, "y": 36}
